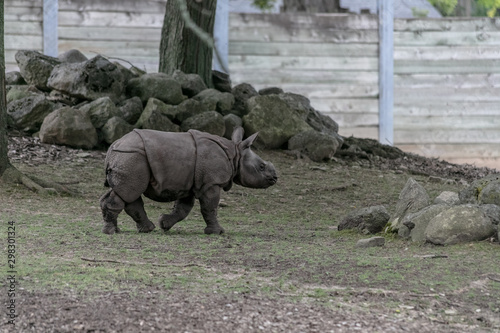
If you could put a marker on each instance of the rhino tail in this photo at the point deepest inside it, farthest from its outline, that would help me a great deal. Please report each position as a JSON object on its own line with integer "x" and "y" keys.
{"x": 106, "y": 183}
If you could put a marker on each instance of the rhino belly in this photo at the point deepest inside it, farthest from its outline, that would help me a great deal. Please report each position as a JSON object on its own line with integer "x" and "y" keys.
{"x": 165, "y": 195}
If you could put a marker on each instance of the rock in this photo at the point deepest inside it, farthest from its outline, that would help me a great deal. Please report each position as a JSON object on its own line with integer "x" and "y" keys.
{"x": 70, "y": 127}
{"x": 211, "y": 122}
{"x": 84, "y": 155}
{"x": 100, "y": 111}
{"x": 435, "y": 179}
{"x": 214, "y": 100}
{"x": 275, "y": 121}
{"x": 475, "y": 193}
{"x": 20, "y": 92}
{"x": 35, "y": 67}
{"x": 56, "y": 96}
{"x": 405, "y": 229}
{"x": 14, "y": 78}
{"x": 458, "y": 224}
{"x": 221, "y": 81}
{"x": 128, "y": 74}
{"x": 231, "y": 121}
{"x": 371, "y": 242}
{"x": 242, "y": 92}
{"x": 157, "y": 116}
{"x": 191, "y": 84}
{"x": 130, "y": 109}
{"x": 27, "y": 113}
{"x": 447, "y": 198}
{"x": 114, "y": 129}
{"x": 89, "y": 80}
{"x": 189, "y": 108}
{"x": 412, "y": 198}
{"x": 416, "y": 223}
{"x": 369, "y": 148}
{"x": 315, "y": 119}
{"x": 225, "y": 103}
{"x": 271, "y": 91}
{"x": 493, "y": 213}
{"x": 72, "y": 56}
{"x": 368, "y": 220}
{"x": 156, "y": 85}
{"x": 491, "y": 193}
{"x": 319, "y": 147}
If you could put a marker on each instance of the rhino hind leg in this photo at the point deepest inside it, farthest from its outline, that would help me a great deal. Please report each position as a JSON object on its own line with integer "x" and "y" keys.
{"x": 209, "y": 202}
{"x": 181, "y": 209}
{"x": 136, "y": 211}
{"x": 111, "y": 206}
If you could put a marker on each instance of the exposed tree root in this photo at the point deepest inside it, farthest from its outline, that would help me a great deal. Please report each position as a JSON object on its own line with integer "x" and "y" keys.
{"x": 41, "y": 186}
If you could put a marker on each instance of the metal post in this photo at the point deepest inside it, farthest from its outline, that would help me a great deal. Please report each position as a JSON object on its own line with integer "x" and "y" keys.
{"x": 386, "y": 71}
{"x": 50, "y": 23}
{"x": 221, "y": 37}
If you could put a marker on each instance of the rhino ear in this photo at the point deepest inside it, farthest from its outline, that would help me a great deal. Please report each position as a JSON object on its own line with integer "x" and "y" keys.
{"x": 237, "y": 135}
{"x": 248, "y": 141}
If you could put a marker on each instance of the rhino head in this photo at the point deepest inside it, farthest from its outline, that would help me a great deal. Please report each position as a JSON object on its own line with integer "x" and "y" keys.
{"x": 253, "y": 171}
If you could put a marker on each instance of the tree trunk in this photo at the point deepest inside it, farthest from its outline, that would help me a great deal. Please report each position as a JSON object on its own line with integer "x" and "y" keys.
{"x": 312, "y": 6}
{"x": 180, "y": 47}
{"x": 4, "y": 160}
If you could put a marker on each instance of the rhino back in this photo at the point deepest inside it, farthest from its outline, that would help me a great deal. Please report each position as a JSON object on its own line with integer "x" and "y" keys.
{"x": 172, "y": 160}
{"x": 215, "y": 158}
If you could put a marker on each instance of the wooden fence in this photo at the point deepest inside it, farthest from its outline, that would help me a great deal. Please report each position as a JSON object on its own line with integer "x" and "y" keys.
{"x": 447, "y": 71}
{"x": 126, "y": 29}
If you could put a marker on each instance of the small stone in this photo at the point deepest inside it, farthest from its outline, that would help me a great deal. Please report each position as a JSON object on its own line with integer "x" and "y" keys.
{"x": 371, "y": 242}
{"x": 448, "y": 198}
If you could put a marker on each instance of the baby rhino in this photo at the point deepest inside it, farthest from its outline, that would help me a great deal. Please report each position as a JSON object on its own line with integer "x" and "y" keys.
{"x": 178, "y": 167}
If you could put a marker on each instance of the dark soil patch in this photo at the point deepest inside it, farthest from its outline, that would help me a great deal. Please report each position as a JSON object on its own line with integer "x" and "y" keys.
{"x": 157, "y": 311}
{"x": 391, "y": 158}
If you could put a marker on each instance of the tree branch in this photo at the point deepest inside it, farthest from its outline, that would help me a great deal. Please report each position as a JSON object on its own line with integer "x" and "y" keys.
{"x": 141, "y": 263}
{"x": 203, "y": 35}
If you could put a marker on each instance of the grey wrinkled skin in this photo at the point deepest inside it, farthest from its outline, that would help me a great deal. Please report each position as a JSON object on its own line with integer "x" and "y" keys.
{"x": 178, "y": 167}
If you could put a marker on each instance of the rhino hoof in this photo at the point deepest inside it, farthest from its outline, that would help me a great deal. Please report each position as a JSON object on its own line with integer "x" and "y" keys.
{"x": 217, "y": 231}
{"x": 147, "y": 227}
{"x": 110, "y": 230}
{"x": 164, "y": 222}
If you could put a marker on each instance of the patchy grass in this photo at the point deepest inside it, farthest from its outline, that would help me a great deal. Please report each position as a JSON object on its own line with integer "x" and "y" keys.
{"x": 281, "y": 244}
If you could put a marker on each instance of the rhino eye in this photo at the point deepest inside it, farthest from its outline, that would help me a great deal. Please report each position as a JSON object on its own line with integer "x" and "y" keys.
{"x": 262, "y": 166}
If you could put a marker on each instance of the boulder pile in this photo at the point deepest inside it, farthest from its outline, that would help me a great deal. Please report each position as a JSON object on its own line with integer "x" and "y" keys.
{"x": 85, "y": 103}
{"x": 472, "y": 214}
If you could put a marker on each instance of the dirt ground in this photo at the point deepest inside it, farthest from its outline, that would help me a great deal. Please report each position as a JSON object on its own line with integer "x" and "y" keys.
{"x": 281, "y": 266}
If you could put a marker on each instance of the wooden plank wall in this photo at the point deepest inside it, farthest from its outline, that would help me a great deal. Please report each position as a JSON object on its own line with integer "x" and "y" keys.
{"x": 23, "y": 28}
{"x": 448, "y": 89}
{"x": 331, "y": 59}
{"x": 447, "y": 72}
{"x": 125, "y": 29}
{"x": 447, "y": 76}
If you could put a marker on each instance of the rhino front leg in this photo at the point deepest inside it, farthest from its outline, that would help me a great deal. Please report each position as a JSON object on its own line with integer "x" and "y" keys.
{"x": 111, "y": 206}
{"x": 136, "y": 211}
{"x": 181, "y": 209}
{"x": 209, "y": 202}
